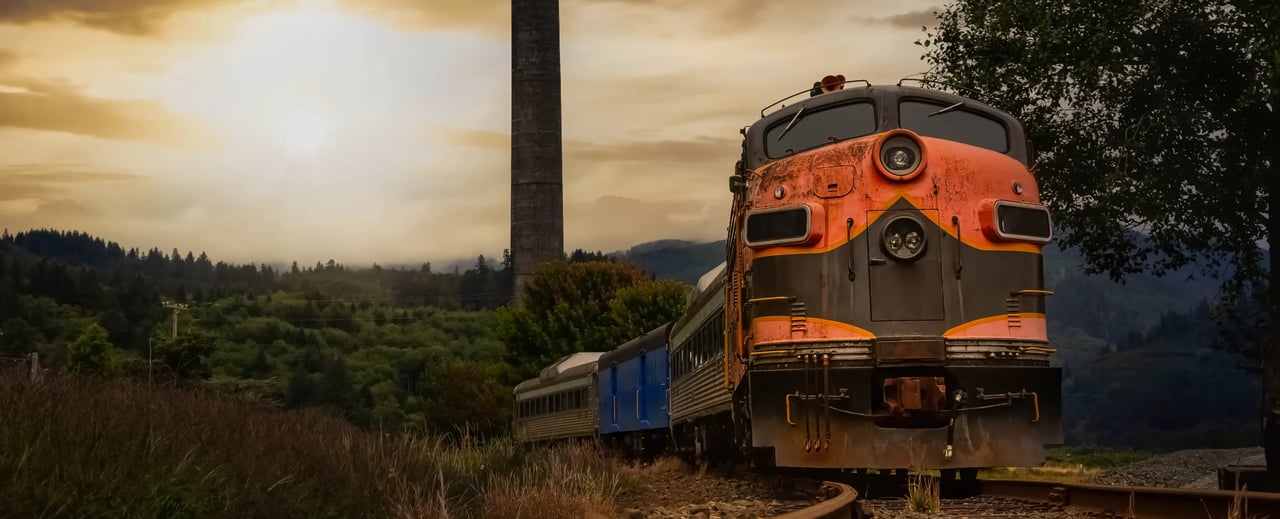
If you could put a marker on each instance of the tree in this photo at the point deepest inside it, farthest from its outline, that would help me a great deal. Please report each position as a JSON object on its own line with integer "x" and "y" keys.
{"x": 465, "y": 394}
{"x": 1156, "y": 132}
{"x": 186, "y": 354}
{"x": 570, "y": 307}
{"x": 637, "y": 309}
{"x": 18, "y": 338}
{"x": 90, "y": 353}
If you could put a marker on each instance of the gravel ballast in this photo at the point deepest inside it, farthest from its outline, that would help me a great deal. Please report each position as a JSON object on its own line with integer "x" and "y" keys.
{"x": 1193, "y": 468}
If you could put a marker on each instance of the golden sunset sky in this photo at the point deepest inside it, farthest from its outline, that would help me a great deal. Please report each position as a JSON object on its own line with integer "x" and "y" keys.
{"x": 378, "y": 130}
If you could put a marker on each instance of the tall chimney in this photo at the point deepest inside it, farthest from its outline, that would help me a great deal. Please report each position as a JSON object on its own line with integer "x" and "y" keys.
{"x": 537, "y": 213}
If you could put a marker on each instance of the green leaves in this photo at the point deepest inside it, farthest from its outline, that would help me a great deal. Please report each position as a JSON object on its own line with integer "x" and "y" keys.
{"x": 90, "y": 353}
{"x": 584, "y": 306}
{"x": 1152, "y": 151}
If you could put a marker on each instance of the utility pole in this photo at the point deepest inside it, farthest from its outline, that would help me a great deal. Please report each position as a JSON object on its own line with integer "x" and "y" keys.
{"x": 176, "y": 307}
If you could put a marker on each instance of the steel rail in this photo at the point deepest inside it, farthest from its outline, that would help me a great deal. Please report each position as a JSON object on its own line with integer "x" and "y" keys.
{"x": 1140, "y": 502}
{"x": 843, "y": 505}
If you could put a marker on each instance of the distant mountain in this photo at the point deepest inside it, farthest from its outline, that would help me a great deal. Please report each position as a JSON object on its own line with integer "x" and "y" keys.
{"x": 684, "y": 261}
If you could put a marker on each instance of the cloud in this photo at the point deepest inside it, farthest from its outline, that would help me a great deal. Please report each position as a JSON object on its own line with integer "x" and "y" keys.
{"x": 51, "y": 105}
{"x": 488, "y": 15}
{"x": 60, "y": 174}
{"x": 64, "y": 209}
{"x": 908, "y": 20}
{"x": 494, "y": 16}
{"x": 45, "y": 182}
{"x": 128, "y": 17}
{"x": 486, "y": 139}
{"x": 694, "y": 150}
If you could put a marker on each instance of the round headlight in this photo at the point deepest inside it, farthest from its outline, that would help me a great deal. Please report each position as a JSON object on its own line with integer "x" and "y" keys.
{"x": 903, "y": 238}
{"x": 900, "y": 155}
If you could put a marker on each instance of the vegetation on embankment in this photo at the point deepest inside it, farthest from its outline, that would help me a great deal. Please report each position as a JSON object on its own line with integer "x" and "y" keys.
{"x": 88, "y": 447}
{"x": 1071, "y": 464}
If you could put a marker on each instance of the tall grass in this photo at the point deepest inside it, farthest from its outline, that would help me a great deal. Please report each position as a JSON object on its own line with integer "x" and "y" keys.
{"x": 923, "y": 494}
{"x": 77, "y": 447}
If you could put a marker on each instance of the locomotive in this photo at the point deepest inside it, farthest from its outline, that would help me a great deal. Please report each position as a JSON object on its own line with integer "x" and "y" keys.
{"x": 881, "y": 304}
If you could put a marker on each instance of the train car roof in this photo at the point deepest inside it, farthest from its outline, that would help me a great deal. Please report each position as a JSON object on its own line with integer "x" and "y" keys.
{"x": 709, "y": 286}
{"x": 568, "y": 367}
{"x": 712, "y": 281}
{"x": 651, "y": 340}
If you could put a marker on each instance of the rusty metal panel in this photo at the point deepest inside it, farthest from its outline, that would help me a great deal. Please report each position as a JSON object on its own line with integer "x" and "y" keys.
{"x": 905, "y": 289}
{"x": 909, "y": 350}
{"x": 832, "y": 181}
{"x": 919, "y": 394}
{"x": 1006, "y": 436}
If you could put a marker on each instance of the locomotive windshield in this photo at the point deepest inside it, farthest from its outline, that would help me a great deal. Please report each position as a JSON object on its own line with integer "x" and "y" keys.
{"x": 954, "y": 124}
{"x": 811, "y": 128}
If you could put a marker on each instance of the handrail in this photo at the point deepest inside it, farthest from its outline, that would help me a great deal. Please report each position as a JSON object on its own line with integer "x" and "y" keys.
{"x": 810, "y": 89}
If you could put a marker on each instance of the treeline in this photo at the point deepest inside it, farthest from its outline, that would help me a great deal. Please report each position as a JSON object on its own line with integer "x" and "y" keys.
{"x": 391, "y": 349}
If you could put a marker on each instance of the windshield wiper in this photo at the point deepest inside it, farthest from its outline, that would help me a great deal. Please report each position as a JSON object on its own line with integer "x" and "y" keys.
{"x": 947, "y": 109}
{"x": 793, "y": 121}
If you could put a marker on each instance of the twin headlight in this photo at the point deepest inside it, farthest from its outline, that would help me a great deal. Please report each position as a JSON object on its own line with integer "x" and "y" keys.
{"x": 903, "y": 238}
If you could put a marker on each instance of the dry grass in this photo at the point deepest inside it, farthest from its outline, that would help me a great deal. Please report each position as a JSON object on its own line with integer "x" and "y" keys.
{"x": 1078, "y": 474}
{"x": 1239, "y": 506}
{"x": 75, "y": 447}
{"x": 923, "y": 494}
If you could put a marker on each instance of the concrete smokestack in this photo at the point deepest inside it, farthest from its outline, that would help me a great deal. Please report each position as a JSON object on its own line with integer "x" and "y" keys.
{"x": 537, "y": 206}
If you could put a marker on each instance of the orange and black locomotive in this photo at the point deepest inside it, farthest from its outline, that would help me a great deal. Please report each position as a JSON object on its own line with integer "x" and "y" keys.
{"x": 884, "y": 285}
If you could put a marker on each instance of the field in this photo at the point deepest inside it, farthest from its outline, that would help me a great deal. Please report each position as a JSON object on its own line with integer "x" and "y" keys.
{"x": 77, "y": 447}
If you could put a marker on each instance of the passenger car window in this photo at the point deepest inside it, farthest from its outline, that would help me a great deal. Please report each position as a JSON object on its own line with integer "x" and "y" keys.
{"x": 954, "y": 125}
{"x": 817, "y": 126}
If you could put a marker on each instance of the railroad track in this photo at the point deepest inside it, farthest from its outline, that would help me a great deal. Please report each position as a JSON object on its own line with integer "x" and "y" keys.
{"x": 1011, "y": 498}
{"x": 1140, "y": 502}
{"x": 837, "y": 501}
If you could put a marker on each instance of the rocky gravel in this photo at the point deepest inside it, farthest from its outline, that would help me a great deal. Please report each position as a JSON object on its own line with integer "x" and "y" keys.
{"x": 671, "y": 489}
{"x": 983, "y": 507}
{"x": 1194, "y": 468}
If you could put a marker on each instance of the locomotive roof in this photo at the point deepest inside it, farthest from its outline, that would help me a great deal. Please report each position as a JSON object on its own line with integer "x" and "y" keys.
{"x": 886, "y": 98}
{"x": 568, "y": 367}
{"x": 651, "y": 340}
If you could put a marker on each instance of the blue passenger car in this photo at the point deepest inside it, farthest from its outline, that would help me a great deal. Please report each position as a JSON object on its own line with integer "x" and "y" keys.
{"x": 632, "y": 390}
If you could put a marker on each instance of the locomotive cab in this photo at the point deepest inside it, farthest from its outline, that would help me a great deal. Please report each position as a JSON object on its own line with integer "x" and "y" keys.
{"x": 884, "y": 288}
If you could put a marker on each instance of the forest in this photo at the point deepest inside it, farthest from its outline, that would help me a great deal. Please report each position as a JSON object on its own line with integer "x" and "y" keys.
{"x": 390, "y": 349}
{"x": 416, "y": 349}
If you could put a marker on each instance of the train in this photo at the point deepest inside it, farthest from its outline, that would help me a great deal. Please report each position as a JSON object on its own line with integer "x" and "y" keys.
{"x": 880, "y": 306}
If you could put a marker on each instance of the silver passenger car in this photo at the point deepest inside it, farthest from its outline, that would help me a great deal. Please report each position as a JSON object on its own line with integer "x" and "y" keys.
{"x": 560, "y": 403}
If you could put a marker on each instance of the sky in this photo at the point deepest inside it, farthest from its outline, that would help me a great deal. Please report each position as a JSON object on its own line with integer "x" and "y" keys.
{"x": 379, "y": 130}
